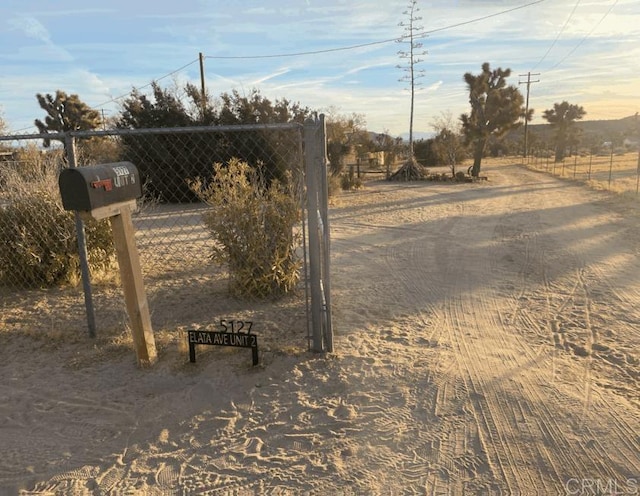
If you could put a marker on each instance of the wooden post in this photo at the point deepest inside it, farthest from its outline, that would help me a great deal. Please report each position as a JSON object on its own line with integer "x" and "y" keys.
{"x": 133, "y": 287}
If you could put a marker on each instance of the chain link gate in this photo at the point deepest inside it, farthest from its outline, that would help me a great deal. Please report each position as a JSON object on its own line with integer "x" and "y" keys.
{"x": 173, "y": 242}
{"x": 319, "y": 232}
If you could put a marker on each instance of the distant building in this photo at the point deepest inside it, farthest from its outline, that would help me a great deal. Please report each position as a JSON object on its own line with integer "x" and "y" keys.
{"x": 364, "y": 159}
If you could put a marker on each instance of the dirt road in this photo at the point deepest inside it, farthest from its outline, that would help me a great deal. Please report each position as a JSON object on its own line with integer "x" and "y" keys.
{"x": 486, "y": 343}
{"x": 507, "y": 316}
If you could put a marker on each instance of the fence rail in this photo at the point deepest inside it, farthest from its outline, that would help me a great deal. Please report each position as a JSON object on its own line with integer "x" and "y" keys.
{"x": 174, "y": 243}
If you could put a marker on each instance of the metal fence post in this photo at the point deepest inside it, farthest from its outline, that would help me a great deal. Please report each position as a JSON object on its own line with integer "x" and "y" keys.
{"x": 311, "y": 153}
{"x": 70, "y": 150}
{"x": 610, "y": 165}
{"x": 326, "y": 235}
{"x": 638, "y": 172}
{"x": 319, "y": 236}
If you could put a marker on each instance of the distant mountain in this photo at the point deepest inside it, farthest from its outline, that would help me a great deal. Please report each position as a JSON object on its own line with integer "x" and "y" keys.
{"x": 418, "y": 135}
{"x": 593, "y": 132}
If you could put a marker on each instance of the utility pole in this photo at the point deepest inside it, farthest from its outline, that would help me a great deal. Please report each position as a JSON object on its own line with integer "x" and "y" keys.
{"x": 204, "y": 94}
{"x": 526, "y": 112}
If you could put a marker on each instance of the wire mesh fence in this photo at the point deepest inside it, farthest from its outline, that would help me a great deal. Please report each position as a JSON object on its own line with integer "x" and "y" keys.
{"x": 616, "y": 172}
{"x": 39, "y": 266}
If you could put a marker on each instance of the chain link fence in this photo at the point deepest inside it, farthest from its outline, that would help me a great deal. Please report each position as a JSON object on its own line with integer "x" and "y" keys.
{"x": 174, "y": 243}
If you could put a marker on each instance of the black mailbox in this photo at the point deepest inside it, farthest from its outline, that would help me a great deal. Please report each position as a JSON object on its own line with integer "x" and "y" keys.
{"x": 86, "y": 189}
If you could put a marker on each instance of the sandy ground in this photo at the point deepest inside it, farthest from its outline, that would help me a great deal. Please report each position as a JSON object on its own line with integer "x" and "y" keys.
{"x": 486, "y": 343}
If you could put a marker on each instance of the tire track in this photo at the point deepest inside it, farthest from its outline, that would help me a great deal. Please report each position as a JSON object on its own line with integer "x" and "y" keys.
{"x": 554, "y": 432}
{"x": 448, "y": 379}
{"x": 495, "y": 414}
{"x": 579, "y": 290}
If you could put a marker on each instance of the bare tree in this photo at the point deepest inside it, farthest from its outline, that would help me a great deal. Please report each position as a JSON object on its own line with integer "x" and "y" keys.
{"x": 392, "y": 147}
{"x": 3, "y": 124}
{"x": 448, "y": 143}
{"x": 343, "y": 132}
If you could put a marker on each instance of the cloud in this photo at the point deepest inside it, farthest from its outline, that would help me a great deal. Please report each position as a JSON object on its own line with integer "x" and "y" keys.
{"x": 38, "y": 56}
{"x": 47, "y": 53}
{"x": 435, "y": 86}
{"x": 260, "y": 11}
{"x": 31, "y": 27}
{"x": 366, "y": 67}
{"x": 267, "y": 77}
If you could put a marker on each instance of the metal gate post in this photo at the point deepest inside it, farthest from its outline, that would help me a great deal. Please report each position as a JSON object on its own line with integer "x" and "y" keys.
{"x": 326, "y": 236}
{"x": 70, "y": 149}
{"x": 319, "y": 235}
{"x": 312, "y": 156}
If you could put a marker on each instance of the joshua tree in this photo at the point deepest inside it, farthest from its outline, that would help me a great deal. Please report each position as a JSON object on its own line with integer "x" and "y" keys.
{"x": 562, "y": 118}
{"x": 65, "y": 113}
{"x": 495, "y": 109}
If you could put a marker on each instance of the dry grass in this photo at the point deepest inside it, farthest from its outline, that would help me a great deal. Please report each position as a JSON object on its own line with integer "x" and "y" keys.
{"x": 39, "y": 246}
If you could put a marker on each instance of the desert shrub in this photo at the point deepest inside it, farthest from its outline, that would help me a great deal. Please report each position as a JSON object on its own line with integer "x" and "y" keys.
{"x": 461, "y": 177}
{"x": 38, "y": 246}
{"x": 349, "y": 181}
{"x": 334, "y": 185}
{"x": 98, "y": 150}
{"x": 435, "y": 177}
{"x": 253, "y": 228}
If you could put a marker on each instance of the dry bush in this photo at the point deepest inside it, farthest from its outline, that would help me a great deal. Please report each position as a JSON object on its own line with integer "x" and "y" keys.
{"x": 38, "y": 246}
{"x": 98, "y": 150}
{"x": 349, "y": 181}
{"x": 253, "y": 226}
{"x": 334, "y": 185}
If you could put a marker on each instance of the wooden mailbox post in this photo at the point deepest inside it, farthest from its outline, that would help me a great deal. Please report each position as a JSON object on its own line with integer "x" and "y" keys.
{"x": 110, "y": 191}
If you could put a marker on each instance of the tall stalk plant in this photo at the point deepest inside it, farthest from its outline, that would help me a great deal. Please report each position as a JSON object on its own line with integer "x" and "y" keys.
{"x": 411, "y": 56}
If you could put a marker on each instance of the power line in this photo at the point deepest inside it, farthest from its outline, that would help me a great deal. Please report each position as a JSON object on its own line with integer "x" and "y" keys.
{"x": 127, "y": 94}
{"x": 558, "y": 36}
{"x": 149, "y": 84}
{"x": 585, "y": 38}
{"x": 421, "y": 34}
{"x": 471, "y": 21}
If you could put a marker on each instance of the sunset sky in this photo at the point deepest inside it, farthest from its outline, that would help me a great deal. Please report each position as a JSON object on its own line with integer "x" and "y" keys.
{"x": 322, "y": 53}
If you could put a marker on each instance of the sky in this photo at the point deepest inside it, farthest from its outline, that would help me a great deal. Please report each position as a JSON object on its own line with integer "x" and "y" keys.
{"x": 334, "y": 56}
